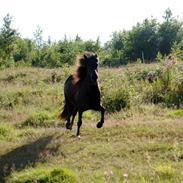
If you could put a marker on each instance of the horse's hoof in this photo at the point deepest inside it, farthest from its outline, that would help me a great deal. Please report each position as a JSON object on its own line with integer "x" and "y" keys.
{"x": 99, "y": 124}
{"x": 79, "y": 137}
{"x": 68, "y": 126}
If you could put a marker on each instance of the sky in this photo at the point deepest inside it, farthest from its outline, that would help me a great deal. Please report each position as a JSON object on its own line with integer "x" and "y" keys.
{"x": 87, "y": 18}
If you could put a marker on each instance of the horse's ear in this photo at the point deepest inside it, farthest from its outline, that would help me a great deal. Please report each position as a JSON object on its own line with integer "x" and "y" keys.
{"x": 85, "y": 57}
{"x": 95, "y": 55}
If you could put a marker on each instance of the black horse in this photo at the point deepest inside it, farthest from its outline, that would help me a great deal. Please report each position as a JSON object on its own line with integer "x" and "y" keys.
{"x": 82, "y": 92}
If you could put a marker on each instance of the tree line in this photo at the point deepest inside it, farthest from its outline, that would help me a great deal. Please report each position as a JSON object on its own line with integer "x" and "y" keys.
{"x": 145, "y": 42}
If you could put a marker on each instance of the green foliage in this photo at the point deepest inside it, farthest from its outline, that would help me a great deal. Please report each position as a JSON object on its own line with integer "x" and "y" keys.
{"x": 113, "y": 62}
{"x": 168, "y": 87}
{"x": 143, "y": 74}
{"x": 43, "y": 175}
{"x": 177, "y": 50}
{"x": 148, "y": 41}
{"x": 24, "y": 51}
{"x": 92, "y": 46}
{"x": 143, "y": 39}
{"x": 138, "y": 61}
{"x": 47, "y": 57}
{"x": 137, "y": 146}
{"x": 7, "y": 42}
{"x": 163, "y": 84}
{"x": 159, "y": 57}
{"x": 10, "y": 99}
{"x": 165, "y": 171}
{"x": 12, "y": 77}
{"x": 7, "y": 132}
{"x": 39, "y": 119}
{"x": 170, "y": 31}
{"x": 116, "y": 99}
{"x": 17, "y": 51}
{"x": 176, "y": 113}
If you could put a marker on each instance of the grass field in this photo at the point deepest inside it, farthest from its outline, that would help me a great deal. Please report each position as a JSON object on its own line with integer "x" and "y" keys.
{"x": 142, "y": 143}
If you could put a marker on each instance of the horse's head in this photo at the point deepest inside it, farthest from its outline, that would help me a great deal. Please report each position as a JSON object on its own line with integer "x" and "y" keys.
{"x": 92, "y": 66}
{"x": 86, "y": 67}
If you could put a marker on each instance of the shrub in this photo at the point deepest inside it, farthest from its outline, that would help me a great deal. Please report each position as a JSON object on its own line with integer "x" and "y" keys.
{"x": 6, "y": 131}
{"x": 43, "y": 175}
{"x": 39, "y": 119}
{"x": 176, "y": 113}
{"x": 143, "y": 74}
{"x": 168, "y": 87}
{"x": 116, "y": 100}
{"x": 12, "y": 77}
{"x": 164, "y": 171}
{"x": 11, "y": 98}
{"x": 113, "y": 62}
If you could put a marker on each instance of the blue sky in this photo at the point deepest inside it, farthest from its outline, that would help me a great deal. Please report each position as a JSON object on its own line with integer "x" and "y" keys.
{"x": 88, "y": 18}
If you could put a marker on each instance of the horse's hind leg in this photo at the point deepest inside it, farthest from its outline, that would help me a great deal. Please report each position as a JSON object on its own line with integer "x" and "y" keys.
{"x": 70, "y": 111}
{"x": 68, "y": 124}
{"x": 100, "y": 123}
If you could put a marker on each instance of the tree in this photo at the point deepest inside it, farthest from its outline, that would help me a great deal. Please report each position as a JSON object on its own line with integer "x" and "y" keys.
{"x": 92, "y": 46}
{"x": 169, "y": 32}
{"x": 7, "y": 41}
{"x": 66, "y": 51}
{"x": 24, "y": 51}
{"x": 38, "y": 38}
{"x": 168, "y": 15}
{"x": 143, "y": 39}
{"x": 129, "y": 45}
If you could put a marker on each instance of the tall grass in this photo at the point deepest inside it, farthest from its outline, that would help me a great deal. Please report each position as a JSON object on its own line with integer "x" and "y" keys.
{"x": 43, "y": 175}
{"x": 141, "y": 140}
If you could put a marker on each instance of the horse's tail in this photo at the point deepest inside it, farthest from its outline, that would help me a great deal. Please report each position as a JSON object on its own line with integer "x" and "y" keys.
{"x": 64, "y": 113}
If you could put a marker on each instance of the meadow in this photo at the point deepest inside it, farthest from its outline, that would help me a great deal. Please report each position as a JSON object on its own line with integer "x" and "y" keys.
{"x": 141, "y": 141}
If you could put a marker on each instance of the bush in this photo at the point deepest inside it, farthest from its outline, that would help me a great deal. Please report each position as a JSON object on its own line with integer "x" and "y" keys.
{"x": 11, "y": 98}
{"x": 12, "y": 77}
{"x": 168, "y": 87}
{"x": 143, "y": 74}
{"x": 39, "y": 119}
{"x": 165, "y": 171}
{"x": 116, "y": 100}
{"x": 43, "y": 175}
{"x": 176, "y": 113}
{"x": 113, "y": 62}
{"x": 6, "y": 131}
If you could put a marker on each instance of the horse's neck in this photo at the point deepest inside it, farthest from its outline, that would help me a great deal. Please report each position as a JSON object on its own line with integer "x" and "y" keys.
{"x": 89, "y": 84}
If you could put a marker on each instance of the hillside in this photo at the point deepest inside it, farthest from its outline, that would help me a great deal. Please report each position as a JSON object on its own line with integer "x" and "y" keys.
{"x": 141, "y": 141}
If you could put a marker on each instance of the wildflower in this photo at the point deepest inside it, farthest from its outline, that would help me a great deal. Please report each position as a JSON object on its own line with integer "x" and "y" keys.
{"x": 125, "y": 175}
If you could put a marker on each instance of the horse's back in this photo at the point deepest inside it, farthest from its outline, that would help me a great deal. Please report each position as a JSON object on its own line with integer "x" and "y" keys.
{"x": 68, "y": 87}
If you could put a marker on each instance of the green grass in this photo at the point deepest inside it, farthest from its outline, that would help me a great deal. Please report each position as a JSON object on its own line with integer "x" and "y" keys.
{"x": 43, "y": 175}
{"x": 39, "y": 119}
{"x": 139, "y": 143}
{"x": 176, "y": 113}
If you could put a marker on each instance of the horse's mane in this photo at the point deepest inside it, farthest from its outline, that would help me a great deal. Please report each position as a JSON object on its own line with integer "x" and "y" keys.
{"x": 80, "y": 69}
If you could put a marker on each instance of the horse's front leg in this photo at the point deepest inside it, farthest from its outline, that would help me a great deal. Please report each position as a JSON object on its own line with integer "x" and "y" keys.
{"x": 100, "y": 123}
{"x": 68, "y": 114}
{"x": 79, "y": 122}
{"x": 73, "y": 116}
{"x": 68, "y": 124}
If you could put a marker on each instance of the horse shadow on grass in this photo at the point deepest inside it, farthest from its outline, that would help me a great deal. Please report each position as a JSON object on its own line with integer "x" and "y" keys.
{"x": 23, "y": 156}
